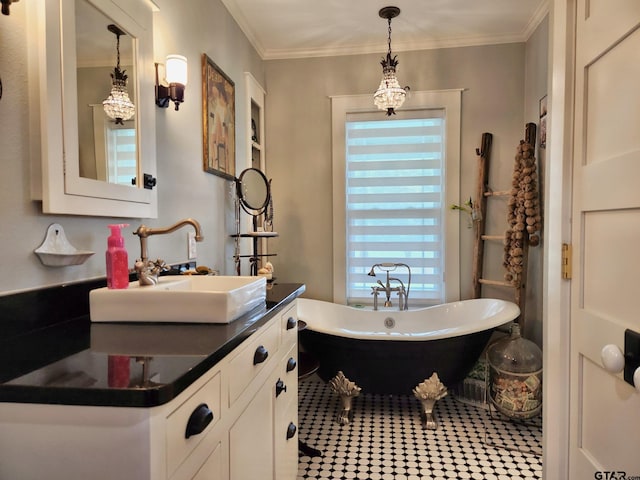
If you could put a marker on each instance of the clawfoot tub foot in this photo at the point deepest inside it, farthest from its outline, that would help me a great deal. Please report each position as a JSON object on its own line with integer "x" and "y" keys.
{"x": 429, "y": 392}
{"x": 346, "y": 390}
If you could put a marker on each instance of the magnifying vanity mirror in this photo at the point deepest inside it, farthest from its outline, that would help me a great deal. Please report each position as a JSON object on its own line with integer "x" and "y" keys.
{"x": 92, "y": 164}
{"x": 254, "y": 191}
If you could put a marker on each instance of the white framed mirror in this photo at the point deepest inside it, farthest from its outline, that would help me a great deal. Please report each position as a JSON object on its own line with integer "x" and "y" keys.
{"x": 87, "y": 162}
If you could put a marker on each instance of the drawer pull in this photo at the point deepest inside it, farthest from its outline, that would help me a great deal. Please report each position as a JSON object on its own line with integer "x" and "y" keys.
{"x": 280, "y": 387}
{"x": 291, "y": 431}
{"x": 291, "y": 323}
{"x": 198, "y": 421}
{"x": 291, "y": 364}
{"x": 260, "y": 355}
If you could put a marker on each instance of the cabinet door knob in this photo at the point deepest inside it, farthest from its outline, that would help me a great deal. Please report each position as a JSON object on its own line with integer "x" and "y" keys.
{"x": 291, "y": 364}
{"x": 291, "y": 431}
{"x": 260, "y": 355}
{"x": 280, "y": 387}
{"x": 291, "y": 323}
{"x": 198, "y": 421}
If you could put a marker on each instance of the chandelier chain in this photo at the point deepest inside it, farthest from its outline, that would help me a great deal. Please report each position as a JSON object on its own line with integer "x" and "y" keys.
{"x": 118, "y": 50}
{"x": 389, "y": 20}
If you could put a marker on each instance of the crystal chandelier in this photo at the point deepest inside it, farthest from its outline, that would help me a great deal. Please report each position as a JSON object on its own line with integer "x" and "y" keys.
{"x": 390, "y": 95}
{"x": 118, "y": 105}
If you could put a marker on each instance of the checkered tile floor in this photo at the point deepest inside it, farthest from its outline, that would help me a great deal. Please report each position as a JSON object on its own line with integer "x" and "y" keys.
{"x": 385, "y": 440}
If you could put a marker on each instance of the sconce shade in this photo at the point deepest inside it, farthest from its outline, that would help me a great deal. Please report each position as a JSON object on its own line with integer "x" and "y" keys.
{"x": 175, "y": 72}
{"x": 176, "y": 69}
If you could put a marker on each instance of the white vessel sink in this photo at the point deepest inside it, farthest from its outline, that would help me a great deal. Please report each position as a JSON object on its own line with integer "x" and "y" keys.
{"x": 182, "y": 299}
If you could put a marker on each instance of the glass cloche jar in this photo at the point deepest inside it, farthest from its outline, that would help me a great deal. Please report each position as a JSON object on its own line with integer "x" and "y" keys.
{"x": 515, "y": 376}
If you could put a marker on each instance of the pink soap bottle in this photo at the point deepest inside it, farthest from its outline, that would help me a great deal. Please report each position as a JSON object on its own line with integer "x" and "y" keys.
{"x": 117, "y": 258}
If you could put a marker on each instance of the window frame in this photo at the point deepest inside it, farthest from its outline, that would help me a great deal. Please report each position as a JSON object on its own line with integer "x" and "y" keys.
{"x": 450, "y": 101}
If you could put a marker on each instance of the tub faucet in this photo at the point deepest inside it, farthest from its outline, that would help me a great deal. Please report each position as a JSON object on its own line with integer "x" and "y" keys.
{"x": 148, "y": 270}
{"x": 403, "y": 293}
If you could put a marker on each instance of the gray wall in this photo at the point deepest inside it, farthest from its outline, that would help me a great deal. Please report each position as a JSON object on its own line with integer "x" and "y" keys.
{"x": 184, "y": 188}
{"x": 299, "y": 144}
{"x": 502, "y": 83}
{"x": 536, "y": 74}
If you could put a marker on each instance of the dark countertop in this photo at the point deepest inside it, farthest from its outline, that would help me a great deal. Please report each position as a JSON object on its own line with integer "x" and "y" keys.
{"x": 77, "y": 362}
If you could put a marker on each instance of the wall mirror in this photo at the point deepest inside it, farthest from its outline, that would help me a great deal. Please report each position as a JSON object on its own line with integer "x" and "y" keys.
{"x": 91, "y": 164}
{"x": 107, "y": 147}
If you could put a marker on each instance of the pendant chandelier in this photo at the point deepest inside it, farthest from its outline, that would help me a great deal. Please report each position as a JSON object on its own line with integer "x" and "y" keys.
{"x": 390, "y": 95}
{"x": 118, "y": 105}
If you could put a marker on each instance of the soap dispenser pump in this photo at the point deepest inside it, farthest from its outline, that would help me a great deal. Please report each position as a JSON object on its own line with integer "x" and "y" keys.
{"x": 117, "y": 258}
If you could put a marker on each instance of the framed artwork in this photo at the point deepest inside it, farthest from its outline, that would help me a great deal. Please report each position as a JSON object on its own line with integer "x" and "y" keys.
{"x": 218, "y": 121}
{"x": 543, "y": 122}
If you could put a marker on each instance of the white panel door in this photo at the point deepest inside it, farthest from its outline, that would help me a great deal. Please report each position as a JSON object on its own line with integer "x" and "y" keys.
{"x": 605, "y": 292}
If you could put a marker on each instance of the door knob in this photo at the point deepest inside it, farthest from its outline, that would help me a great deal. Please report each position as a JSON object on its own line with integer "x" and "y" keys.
{"x": 612, "y": 358}
{"x": 636, "y": 379}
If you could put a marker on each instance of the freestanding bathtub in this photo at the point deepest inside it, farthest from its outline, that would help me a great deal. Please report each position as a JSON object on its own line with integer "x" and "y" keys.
{"x": 390, "y": 351}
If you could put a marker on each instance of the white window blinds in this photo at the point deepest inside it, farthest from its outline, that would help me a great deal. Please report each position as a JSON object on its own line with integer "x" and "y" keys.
{"x": 121, "y": 151}
{"x": 395, "y": 201}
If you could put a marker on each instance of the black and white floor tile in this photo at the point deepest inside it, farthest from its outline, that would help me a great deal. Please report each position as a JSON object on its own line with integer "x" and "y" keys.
{"x": 385, "y": 440}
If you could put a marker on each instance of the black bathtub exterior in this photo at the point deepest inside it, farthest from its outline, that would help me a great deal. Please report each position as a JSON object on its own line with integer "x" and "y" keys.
{"x": 394, "y": 366}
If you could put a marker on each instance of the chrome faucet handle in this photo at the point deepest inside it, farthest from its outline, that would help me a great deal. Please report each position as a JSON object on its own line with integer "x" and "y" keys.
{"x": 401, "y": 297}
{"x": 375, "y": 292}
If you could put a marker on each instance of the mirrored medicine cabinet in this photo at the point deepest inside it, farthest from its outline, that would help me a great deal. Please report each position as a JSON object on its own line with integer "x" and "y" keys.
{"x": 87, "y": 163}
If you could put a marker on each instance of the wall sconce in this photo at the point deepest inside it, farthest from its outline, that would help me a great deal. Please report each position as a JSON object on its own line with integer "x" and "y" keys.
{"x": 175, "y": 72}
{"x": 6, "y": 4}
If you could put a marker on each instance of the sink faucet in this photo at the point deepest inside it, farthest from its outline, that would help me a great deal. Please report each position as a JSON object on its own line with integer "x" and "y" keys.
{"x": 147, "y": 270}
{"x": 387, "y": 288}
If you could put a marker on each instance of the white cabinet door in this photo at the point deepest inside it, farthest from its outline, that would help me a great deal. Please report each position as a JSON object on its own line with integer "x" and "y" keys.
{"x": 213, "y": 468}
{"x": 251, "y": 439}
{"x": 605, "y": 411}
{"x": 285, "y": 417}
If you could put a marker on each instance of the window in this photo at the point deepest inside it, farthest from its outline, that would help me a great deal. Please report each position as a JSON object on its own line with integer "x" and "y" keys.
{"x": 394, "y": 188}
{"x": 393, "y": 181}
{"x": 115, "y": 149}
{"x": 121, "y": 149}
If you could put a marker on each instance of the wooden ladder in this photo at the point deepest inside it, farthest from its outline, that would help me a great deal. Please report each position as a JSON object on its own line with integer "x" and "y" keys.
{"x": 483, "y": 193}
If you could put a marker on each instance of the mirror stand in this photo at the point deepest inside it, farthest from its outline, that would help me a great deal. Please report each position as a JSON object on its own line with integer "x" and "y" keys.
{"x": 253, "y": 195}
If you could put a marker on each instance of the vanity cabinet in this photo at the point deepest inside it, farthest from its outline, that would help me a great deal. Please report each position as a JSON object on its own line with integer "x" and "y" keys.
{"x": 262, "y": 432}
{"x": 238, "y": 421}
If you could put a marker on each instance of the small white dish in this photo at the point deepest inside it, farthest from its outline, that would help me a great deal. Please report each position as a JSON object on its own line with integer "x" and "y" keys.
{"x": 56, "y": 251}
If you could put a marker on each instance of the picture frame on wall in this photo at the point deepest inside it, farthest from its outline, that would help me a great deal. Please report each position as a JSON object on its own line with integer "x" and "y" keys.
{"x": 218, "y": 121}
{"x": 543, "y": 122}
